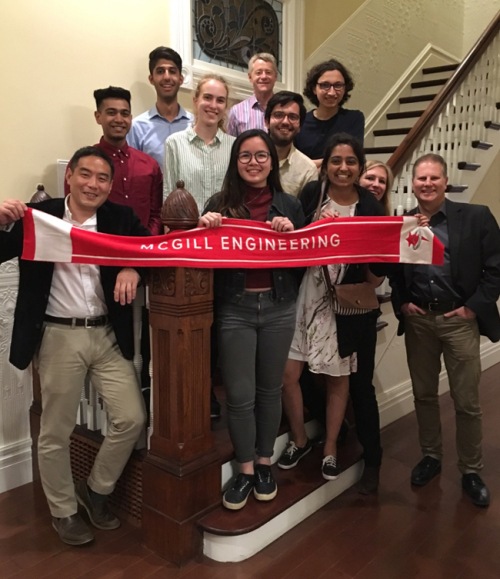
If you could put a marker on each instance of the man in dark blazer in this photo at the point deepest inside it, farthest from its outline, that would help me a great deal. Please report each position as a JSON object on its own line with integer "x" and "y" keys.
{"x": 74, "y": 320}
{"x": 444, "y": 310}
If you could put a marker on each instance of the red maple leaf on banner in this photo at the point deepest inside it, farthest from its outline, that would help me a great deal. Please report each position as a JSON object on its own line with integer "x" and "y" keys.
{"x": 414, "y": 238}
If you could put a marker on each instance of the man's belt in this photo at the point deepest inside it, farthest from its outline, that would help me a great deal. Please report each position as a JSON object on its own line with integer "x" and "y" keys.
{"x": 437, "y": 306}
{"x": 74, "y": 322}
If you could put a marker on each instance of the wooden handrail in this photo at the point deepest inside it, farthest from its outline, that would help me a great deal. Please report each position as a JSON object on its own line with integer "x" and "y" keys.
{"x": 421, "y": 127}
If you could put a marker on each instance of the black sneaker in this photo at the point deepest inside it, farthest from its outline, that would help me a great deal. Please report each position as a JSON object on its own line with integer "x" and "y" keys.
{"x": 237, "y": 494}
{"x": 265, "y": 488}
{"x": 292, "y": 454}
{"x": 329, "y": 468}
{"x": 214, "y": 405}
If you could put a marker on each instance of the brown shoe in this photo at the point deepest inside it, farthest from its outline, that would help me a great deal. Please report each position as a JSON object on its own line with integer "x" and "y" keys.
{"x": 72, "y": 530}
{"x": 99, "y": 514}
{"x": 368, "y": 483}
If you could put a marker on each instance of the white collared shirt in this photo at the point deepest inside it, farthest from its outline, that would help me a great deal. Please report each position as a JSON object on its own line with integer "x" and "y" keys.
{"x": 76, "y": 290}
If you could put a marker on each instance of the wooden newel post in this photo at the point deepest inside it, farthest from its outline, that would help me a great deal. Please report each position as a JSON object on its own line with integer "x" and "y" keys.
{"x": 181, "y": 473}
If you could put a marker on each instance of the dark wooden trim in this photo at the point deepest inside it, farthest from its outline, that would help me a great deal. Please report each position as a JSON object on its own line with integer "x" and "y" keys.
{"x": 411, "y": 141}
{"x": 438, "y": 69}
{"x": 391, "y": 132}
{"x": 426, "y": 83}
{"x": 404, "y": 115}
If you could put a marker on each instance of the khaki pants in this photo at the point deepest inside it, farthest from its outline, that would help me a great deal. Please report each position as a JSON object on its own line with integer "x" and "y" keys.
{"x": 66, "y": 356}
{"x": 458, "y": 340}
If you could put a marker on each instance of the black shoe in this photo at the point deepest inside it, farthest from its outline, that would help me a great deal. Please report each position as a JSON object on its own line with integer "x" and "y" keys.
{"x": 99, "y": 514}
{"x": 292, "y": 454}
{"x": 368, "y": 483}
{"x": 214, "y": 405}
{"x": 72, "y": 530}
{"x": 236, "y": 495}
{"x": 476, "y": 490}
{"x": 329, "y": 468}
{"x": 265, "y": 488}
{"x": 425, "y": 471}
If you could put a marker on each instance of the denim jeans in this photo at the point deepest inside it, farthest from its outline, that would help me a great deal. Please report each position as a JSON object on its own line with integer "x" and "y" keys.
{"x": 254, "y": 340}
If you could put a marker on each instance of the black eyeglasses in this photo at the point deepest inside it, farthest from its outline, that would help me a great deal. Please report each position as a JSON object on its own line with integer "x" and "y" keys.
{"x": 326, "y": 86}
{"x": 280, "y": 115}
{"x": 260, "y": 156}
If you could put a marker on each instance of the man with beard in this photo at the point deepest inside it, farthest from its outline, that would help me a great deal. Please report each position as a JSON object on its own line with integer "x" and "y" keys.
{"x": 284, "y": 116}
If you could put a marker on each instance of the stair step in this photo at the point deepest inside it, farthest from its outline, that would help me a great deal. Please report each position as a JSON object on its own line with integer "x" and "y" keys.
{"x": 442, "y": 68}
{"x": 498, "y": 105}
{"x": 293, "y": 486}
{"x": 483, "y": 145}
{"x": 492, "y": 125}
{"x": 427, "y": 83}
{"x": 379, "y": 150}
{"x": 416, "y": 99}
{"x": 456, "y": 188}
{"x": 405, "y": 115}
{"x": 390, "y": 132}
{"x": 464, "y": 166}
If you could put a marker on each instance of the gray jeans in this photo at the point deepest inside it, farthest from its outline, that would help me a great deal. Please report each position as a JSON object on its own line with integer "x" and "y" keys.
{"x": 254, "y": 340}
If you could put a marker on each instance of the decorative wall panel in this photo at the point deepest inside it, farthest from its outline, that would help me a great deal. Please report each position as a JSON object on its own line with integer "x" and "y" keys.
{"x": 15, "y": 390}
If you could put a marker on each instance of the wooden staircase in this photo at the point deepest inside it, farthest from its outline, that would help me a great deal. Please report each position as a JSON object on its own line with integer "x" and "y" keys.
{"x": 399, "y": 124}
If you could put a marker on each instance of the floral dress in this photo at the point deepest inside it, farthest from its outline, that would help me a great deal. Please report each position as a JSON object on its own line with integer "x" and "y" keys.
{"x": 315, "y": 337}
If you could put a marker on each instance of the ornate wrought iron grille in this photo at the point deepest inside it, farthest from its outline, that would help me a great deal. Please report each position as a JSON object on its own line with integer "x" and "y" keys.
{"x": 229, "y": 32}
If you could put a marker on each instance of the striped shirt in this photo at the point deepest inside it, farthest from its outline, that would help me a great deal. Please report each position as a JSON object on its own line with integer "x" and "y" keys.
{"x": 247, "y": 114}
{"x": 202, "y": 167}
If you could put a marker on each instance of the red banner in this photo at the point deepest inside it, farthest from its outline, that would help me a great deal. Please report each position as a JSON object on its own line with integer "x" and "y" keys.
{"x": 237, "y": 244}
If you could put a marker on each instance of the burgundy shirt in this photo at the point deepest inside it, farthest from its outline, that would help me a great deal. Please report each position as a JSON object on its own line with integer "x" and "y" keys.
{"x": 138, "y": 183}
{"x": 258, "y": 201}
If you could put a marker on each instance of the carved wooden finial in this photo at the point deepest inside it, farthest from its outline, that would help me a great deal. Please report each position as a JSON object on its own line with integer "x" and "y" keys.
{"x": 40, "y": 194}
{"x": 180, "y": 210}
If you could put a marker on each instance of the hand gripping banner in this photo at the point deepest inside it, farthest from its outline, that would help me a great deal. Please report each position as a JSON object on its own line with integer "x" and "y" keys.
{"x": 237, "y": 244}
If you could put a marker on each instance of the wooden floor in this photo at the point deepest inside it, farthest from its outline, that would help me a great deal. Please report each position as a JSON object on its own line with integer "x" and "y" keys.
{"x": 428, "y": 533}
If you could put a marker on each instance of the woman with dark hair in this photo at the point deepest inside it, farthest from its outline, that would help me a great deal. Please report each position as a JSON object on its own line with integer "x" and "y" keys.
{"x": 328, "y": 335}
{"x": 255, "y": 315}
{"x": 328, "y": 86}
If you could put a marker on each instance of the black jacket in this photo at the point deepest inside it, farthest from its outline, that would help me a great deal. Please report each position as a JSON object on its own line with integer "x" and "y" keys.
{"x": 474, "y": 239}
{"x": 35, "y": 280}
{"x": 367, "y": 206}
{"x": 229, "y": 284}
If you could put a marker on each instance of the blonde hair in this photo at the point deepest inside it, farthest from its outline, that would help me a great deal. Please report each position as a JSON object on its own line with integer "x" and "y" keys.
{"x": 390, "y": 180}
{"x": 196, "y": 94}
{"x": 266, "y": 57}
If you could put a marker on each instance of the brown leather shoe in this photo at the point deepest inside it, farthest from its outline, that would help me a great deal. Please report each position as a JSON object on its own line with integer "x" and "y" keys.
{"x": 368, "y": 483}
{"x": 72, "y": 530}
{"x": 99, "y": 514}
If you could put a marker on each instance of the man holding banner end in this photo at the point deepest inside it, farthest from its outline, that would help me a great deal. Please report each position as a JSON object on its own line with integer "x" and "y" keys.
{"x": 444, "y": 310}
{"x": 76, "y": 319}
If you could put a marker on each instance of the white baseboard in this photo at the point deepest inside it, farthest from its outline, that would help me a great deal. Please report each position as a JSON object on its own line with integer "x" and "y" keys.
{"x": 398, "y": 401}
{"x": 240, "y": 547}
{"x": 15, "y": 465}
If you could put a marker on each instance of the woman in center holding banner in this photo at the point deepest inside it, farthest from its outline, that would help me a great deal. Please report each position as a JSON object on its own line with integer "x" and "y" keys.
{"x": 336, "y": 308}
{"x": 255, "y": 315}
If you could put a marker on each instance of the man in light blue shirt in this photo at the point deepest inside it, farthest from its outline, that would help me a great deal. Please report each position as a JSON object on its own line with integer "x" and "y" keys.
{"x": 151, "y": 129}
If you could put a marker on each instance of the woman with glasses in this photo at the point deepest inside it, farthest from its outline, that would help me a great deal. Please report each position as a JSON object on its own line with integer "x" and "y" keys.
{"x": 255, "y": 315}
{"x": 328, "y": 86}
